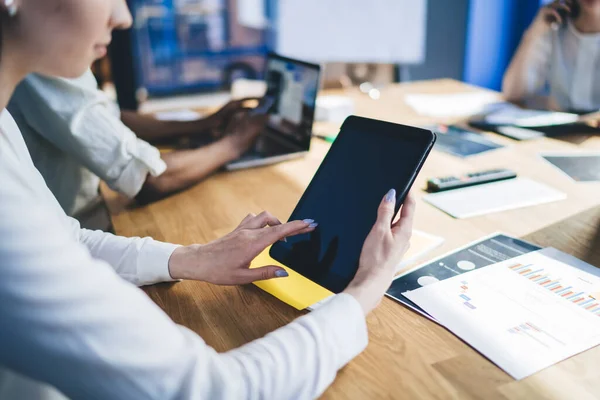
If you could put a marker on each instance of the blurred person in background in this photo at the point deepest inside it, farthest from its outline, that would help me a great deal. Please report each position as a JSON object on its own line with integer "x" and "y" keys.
{"x": 559, "y": 55}
{"x": 77, "y": 136}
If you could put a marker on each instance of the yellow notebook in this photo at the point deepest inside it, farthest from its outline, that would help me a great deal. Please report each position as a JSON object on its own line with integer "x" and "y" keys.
{"x": 300, "y": 292}
{"x": 295, "y": 290}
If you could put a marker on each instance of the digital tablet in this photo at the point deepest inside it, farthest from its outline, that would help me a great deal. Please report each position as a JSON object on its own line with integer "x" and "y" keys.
{"x": 367, "y": 159}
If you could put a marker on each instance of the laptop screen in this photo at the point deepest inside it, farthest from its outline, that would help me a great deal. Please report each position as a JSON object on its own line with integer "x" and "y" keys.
{"x": 294, "y": 85}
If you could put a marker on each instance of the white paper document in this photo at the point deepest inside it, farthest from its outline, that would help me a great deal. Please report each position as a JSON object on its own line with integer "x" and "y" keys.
{"x": 524, "y": 314}
{"x": 452, "y": 105}
{"x": 513, "y": 115}
{"x": 493, "y": 197}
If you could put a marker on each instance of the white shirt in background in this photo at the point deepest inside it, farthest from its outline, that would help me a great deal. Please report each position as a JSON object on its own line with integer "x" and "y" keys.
{"x": 75, "y": 137}
{"x": 567, "y": 63}
{"x": 70, "y": 321}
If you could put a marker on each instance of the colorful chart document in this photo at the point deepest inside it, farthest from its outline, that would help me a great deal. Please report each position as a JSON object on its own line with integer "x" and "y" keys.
{"x": 487, "y": 251}
{"x": 524, "y": 314}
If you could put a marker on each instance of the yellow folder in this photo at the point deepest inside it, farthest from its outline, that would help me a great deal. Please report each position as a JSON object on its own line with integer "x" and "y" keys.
{"x": 295, "y": 290}
{"x": 300, "y": 292}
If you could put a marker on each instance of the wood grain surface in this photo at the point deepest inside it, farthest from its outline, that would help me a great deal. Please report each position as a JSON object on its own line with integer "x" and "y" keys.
{"x": 408, "y": 356}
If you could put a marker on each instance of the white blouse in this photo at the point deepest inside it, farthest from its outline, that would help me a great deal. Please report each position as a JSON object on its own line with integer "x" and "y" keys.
{"x": 72, "y": 325}
{"x": 75, "y": 137}
{"x": 566, "y": 63}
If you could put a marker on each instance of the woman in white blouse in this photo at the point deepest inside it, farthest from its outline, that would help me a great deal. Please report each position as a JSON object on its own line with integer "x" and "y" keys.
{"x": 559, "y": 55}
{"x": 71, "y": 322}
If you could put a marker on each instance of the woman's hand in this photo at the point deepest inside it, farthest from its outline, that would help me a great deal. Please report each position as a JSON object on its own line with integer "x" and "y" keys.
{"x": 226, "y": 261}
{"x": 382, "y": 251}
{"x": 550, "y": 15}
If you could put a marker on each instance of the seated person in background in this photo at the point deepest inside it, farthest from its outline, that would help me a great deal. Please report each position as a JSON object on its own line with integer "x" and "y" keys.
{"x": 77, "y": 136}
{"x": 560, "y": 52}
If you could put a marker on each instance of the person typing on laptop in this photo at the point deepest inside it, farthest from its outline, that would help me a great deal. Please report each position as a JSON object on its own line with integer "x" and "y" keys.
{"x": 289, "y": 103}
{"x": 77, "y": 136}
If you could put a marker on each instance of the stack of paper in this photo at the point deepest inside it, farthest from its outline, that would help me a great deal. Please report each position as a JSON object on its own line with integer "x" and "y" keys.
{"x": 481, "y": 253}
{"x": 510, "y": 114}
{"x": 452, "y": 105}
{"x": 525, "y": 313}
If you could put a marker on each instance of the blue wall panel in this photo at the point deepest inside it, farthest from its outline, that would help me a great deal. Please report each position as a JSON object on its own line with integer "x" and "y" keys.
{"x": 494, "y": 30}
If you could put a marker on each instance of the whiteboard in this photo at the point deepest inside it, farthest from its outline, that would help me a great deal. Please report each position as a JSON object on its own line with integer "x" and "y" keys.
{"x": 374, "y": 31}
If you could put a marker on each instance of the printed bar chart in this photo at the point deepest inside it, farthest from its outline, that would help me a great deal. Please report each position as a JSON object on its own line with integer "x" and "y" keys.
{"x": 538, "y": 276}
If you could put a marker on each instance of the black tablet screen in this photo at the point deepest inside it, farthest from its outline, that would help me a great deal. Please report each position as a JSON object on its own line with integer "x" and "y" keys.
{"x": 367, "y": 159}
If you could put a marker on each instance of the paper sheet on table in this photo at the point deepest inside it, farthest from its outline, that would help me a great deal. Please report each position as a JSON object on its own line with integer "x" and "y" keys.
{"x": 421, "y": 243}
{"x": 493, "y": 197}
{"x": 509, "y": 114}
{"x": 452, "y": 105}
{"x": 478, "y": 254}
{"x": 301, "y": 292}
{"x": 524, "y": 314}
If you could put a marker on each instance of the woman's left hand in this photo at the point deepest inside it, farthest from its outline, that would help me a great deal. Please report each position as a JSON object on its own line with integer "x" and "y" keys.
{"x": 226, "y": 261}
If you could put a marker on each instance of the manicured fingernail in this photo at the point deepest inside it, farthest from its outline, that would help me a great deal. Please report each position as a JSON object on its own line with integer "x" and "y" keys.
{"x": 281, "y": 273}
{"x": 390, "y": 196}
{"x": 308, "y": 221}
{"x": 313, "y": 225}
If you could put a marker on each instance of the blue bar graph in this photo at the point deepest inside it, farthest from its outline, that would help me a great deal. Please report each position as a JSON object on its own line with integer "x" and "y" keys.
{"x": 464, "y": 296}
{"x": 586, "y": 302}
{"x": 556, "y": 285}
{"x": 564, "y": 290}
{"x": 523, "y": 267}
{"x": 533, "y": 272}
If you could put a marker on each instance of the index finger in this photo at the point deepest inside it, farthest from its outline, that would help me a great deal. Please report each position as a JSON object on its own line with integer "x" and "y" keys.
{"x": 276, "y": 233}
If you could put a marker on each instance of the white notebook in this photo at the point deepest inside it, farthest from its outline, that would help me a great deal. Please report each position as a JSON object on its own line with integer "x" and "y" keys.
{"x": 494, "y": 197}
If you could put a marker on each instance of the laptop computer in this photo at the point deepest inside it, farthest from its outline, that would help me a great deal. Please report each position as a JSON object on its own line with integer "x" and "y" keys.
{"x": 292, "y": 86}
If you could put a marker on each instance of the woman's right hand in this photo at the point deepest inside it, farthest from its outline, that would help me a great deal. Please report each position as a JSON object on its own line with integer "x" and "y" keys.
{"x": 550, "y": 16}
{"x": 382, "y": 252}
{"x": 243, "y": 130}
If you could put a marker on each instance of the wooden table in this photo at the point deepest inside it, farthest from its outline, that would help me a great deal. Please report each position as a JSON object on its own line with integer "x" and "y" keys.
{"x": 408, "y": 356}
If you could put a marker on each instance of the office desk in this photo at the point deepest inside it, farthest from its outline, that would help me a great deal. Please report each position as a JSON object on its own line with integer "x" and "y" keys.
{"x": 408, "y": 355}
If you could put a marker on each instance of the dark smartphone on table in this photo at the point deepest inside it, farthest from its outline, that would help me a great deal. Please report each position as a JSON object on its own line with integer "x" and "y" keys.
{"x": 368, "y": 158}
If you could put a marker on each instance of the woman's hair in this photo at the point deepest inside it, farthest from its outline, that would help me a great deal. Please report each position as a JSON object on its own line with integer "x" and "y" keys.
{"x": 575, "y": 9}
